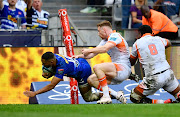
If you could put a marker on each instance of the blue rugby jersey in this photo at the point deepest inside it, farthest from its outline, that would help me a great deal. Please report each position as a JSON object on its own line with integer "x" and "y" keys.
{"x": 76, "y": 68}
{"x": 9, "y": 18}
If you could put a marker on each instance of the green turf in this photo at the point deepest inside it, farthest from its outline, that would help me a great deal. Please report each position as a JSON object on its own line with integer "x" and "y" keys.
{"x": 91, "y": 110}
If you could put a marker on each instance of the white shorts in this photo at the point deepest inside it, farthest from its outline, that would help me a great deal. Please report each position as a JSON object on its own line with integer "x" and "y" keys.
{"x": 123, "y": 73}
{"x": 165, "y": 80}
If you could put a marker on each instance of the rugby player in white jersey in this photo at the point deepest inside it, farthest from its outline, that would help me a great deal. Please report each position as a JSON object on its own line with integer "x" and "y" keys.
{"x": 150, "y": 50}
{"x": 114, "y": 72}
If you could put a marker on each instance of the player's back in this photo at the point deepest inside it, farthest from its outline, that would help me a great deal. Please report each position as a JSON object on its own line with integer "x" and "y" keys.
{"x": 151, "y": 52}
{"x": 71, "y": 67}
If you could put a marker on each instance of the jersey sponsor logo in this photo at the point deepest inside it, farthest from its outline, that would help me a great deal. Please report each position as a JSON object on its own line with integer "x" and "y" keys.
{"x": 112, "y": 39}
{"x": 12, "y": 19}
{"x": 60, "y": 71}
{"x": 19, "y": 13}
{"x": 42, "y": 22}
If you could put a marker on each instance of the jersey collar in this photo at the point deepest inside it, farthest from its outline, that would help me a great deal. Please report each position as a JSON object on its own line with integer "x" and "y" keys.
{"x": 146, "y": 34}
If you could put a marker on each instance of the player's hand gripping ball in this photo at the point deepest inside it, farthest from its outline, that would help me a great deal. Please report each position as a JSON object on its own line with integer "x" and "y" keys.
{"x": 47, "y": 72}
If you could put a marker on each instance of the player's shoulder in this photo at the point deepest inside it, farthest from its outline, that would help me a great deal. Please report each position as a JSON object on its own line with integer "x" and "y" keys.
{"x": 140, "y": 41}
{"x": 58, "y": 56}
{"x": 45, "y": 12}
{"x": 115, "y": 34}
{"x": 6, "y": 7}
{"x": 61, "y": 58}
{"x": 158, "y": 37}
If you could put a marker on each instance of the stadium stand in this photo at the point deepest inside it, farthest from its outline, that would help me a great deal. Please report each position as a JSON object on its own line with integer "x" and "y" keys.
{"x": 83, "y": 25}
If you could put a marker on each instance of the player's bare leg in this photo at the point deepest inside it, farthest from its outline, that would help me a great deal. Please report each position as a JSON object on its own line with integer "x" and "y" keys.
{"x": 105, "y": 72}
{"x": 94, "y": 82}
{"x": 87, "y": 94}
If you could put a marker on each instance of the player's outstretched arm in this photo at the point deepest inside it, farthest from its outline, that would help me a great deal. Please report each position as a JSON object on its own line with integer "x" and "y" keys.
{"x": 48, "y": 87}
{"x": 78, "y": 56}
{"x": 99, "y": 49}
{"x": 29, "y": 93}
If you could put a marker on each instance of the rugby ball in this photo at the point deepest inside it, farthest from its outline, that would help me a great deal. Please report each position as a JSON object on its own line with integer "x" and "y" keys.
{"x": 48, "y": 70}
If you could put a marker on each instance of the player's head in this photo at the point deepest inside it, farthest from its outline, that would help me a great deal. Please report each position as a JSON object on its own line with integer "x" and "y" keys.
{"x": 144, "y": 29}
{"x": 12, "y": 2}
{"x": 48, "y": 59}
{"x": 37, "y": 4}
{"x": 104, "y": 29}
{"x": 104, "y": 23}
{"x": 145, "y": 11}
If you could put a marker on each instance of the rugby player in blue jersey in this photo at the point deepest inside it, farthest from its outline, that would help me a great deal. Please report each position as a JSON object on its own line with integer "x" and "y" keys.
{"x": 59, "y": 66}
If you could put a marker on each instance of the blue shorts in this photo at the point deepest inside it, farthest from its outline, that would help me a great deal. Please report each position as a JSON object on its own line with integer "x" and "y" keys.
{"x": 85, "y": 71}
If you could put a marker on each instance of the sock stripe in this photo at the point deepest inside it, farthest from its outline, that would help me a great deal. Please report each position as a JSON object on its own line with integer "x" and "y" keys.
{"x": 101, "y": 79}
{"x": 154, "y": 101}
{"x": 99, "y": 87}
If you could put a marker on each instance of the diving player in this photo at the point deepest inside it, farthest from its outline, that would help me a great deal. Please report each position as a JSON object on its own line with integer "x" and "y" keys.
{"x": 59, "y": 66}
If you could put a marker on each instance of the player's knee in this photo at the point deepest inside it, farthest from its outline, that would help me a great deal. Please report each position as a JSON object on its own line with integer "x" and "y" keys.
{"x": 134, "y": 97}
{"x": 89, "y": 96}
{"x": 91, "y": 79}
{"x": 96, "y": 67}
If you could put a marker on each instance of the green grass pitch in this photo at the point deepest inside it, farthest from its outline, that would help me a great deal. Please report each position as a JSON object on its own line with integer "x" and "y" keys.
{"x": 90, "y": 110}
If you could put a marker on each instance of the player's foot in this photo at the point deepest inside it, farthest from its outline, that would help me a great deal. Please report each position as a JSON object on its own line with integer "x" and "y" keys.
{"x": 121, "y": 97}
{"x": 168, "y": 101}
{"x": 134, "y": 77}
{"x": 178, "y": 95}
{"x": 104, "y": 100}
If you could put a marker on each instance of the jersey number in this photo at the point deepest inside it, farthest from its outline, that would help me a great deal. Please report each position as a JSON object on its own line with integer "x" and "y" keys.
{"x": 153, "y": 49}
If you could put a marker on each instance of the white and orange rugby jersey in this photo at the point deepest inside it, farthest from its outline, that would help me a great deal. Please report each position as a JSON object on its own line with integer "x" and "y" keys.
{"x": 120, "y": 53}
{"x": 151, "y": 53}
